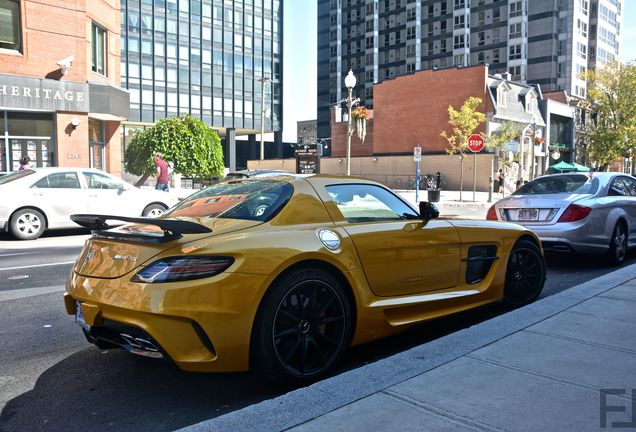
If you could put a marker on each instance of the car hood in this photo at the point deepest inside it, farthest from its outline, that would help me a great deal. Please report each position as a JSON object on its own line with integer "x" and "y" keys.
{"x": 107, "y": 255}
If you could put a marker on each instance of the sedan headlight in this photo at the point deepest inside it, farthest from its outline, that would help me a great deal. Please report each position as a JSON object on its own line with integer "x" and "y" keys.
{"x": 182, "y": 268}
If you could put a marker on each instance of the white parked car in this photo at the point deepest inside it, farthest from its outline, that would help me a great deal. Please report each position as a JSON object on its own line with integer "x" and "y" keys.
{"x": 33, "y": 201}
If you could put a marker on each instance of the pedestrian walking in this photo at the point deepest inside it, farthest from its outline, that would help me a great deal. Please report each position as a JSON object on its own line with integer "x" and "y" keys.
{"x": 501, "y": 180}
{"x": 162, "y": 173}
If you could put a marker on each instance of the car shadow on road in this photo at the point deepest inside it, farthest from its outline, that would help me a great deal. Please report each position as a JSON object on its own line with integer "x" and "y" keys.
{"x": 60, "y": 233}
{"x": 115, "y": 391}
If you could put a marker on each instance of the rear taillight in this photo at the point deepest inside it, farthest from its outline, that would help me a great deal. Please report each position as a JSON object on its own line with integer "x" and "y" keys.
{"x": 182, "y": 268}
{"x": 492, "y": 213}
{"x": 574, "y": 212}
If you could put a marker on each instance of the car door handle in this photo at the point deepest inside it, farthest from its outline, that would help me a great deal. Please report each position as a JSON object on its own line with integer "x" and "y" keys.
{"x": 93, "y": 195}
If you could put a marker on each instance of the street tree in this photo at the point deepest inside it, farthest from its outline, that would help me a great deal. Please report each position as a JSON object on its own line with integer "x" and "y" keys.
{"x": 189, "y": 144}
{"x": 499, "y": 138}
{"x": 463, "y": 123}
{"x": 612, "y": 96}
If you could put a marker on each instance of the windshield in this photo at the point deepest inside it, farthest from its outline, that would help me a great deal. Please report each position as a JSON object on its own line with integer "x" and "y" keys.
{"x": 15, "y": 175}
{"x": 250, "y": 199}
{"x": 570, "y": 184}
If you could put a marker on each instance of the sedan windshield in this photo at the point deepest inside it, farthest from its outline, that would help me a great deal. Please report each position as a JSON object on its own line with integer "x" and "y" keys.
{"x": 557, "y": 184}
{"x": 15, "y": 175}
{"x": 249, "y": 199}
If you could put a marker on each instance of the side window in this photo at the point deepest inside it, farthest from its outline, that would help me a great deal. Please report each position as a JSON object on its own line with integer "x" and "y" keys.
{"x": 631, "y": 185}
{"x": 100, "y": 181}
{"x": 617, "y": 188}
{"x": 68, "y": 180}
{"x": 369, "y": 203}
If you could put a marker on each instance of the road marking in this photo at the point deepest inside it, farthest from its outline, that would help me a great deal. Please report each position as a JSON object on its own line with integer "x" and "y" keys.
{"x": 19, "y": 253}
{"x": 37, "y": 265}
{"x": 28, "y": 292}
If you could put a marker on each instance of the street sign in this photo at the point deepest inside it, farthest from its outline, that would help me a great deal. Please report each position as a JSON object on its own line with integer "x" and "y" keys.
{"x": 417, "y": 153}
{"x": 307, "y": 159}
{"x": 475, "y": 143}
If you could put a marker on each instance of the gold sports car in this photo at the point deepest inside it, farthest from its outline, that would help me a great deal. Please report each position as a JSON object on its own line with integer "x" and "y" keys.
{"x": 281, "y": 274}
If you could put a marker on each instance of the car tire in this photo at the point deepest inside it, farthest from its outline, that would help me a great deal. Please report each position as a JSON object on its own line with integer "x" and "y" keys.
{"x": 303, "y": 326}
{"x": 27, "y": 224}
{"x": 154, "y": 210}
{"x": 525, "y": 274}
{"x": 617, "y": 253}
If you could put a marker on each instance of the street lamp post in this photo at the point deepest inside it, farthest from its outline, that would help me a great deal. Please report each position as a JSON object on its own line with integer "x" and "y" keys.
{"x": 350, "y": 82}
{"x": 263, "y": 80}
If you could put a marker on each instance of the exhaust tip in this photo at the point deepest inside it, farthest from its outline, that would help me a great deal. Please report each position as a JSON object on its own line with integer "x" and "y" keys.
{"x": 140, "y": 346}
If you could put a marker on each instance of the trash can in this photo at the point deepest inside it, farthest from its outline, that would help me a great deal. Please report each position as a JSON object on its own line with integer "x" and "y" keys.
{"x": 433, "y": 195}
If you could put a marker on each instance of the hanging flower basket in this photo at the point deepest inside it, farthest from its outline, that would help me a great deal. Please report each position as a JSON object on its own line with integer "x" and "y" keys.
{"x": 360, "y": 116}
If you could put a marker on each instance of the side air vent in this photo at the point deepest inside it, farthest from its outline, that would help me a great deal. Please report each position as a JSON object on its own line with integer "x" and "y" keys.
{"x": 479, "y": 261}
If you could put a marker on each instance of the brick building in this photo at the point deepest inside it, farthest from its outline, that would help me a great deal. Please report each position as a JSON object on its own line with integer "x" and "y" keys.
{"x": 413, "y": 110}
{"x": 60, "y": 100}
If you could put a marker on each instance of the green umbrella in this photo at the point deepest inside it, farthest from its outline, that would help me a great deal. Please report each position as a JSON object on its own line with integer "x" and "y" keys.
{"x": 563, "y": 166}
{"x": 579, "y": 167}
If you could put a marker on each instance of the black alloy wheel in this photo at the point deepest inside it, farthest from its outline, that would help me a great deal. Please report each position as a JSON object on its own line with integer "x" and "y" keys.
{"x": 305, "y": 326}
{"x": 525, "y": 274}
{"x": 617, "y": 253}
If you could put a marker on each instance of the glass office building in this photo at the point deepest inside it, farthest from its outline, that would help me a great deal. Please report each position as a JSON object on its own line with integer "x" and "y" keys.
{"x": 206, "y": 58}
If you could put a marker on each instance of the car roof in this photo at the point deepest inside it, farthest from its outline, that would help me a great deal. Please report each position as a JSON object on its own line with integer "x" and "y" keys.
{"x": 59, "y": 169}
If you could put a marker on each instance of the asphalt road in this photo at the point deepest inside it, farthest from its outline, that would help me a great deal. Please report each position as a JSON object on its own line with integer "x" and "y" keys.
{"x": 52, "y": 379}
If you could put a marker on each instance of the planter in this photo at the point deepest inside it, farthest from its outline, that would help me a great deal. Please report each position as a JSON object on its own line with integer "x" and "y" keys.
{"x": 433, "y": 195}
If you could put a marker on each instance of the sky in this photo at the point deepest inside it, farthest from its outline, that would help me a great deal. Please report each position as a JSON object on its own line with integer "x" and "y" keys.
{"x": 628, "y": 36}
{"x": 299, "y": 63}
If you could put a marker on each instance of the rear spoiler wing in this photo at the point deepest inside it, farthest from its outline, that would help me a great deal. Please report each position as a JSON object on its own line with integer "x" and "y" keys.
{"x": 172, "y": 228}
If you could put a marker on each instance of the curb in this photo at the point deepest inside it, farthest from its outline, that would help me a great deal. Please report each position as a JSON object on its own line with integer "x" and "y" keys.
{"x": 305, "y": 404}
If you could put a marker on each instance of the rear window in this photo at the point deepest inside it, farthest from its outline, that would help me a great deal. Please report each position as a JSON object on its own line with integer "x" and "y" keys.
{"x": 15, "y": 175}
{"x": 570, "y": 184}
{"x": 250, "y": 199}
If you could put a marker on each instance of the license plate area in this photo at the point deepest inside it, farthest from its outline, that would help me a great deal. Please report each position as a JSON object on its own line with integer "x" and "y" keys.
{"x": 528, "y": 215}
{"x": 79, "y": 317}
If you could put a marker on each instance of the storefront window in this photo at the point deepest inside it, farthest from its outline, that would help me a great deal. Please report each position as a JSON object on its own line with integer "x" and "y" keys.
{"x": 96, "y": 143}
{"x": 30, "y": 124}
{"x": 26, "y": 134}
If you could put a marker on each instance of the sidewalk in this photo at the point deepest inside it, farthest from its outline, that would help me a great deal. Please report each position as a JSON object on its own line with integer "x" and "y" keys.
{"x": 546, "y": 366}
{"x": 450, "y": 206}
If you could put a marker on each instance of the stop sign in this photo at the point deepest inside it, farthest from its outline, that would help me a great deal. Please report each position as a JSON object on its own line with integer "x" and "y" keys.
{"x": 475, "y": 143}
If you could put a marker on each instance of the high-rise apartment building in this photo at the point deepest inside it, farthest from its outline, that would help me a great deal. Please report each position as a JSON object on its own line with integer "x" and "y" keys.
{"x": 206, "y": 58}
{"x": 546, "y": 42}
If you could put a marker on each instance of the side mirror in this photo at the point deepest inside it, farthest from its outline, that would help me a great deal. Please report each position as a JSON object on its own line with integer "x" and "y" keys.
{"x": 428, "y": 210}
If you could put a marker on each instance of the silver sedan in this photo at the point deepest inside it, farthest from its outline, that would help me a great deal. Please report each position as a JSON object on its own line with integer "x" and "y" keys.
{"x": 590, "y": 213}
{"x": 33, "y": 201}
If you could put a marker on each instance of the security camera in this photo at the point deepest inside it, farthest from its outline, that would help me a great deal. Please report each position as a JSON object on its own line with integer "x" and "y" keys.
{"x": 65, "y": 64}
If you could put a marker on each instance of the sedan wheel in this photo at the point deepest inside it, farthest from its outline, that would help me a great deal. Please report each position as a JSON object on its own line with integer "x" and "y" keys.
{"x": 27, "y": 224}
{"x": 305, "y": 325}
{"x": 618, "y": 245}
{"x": 154, "y": 211}
{"x": 525, "y": 274}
